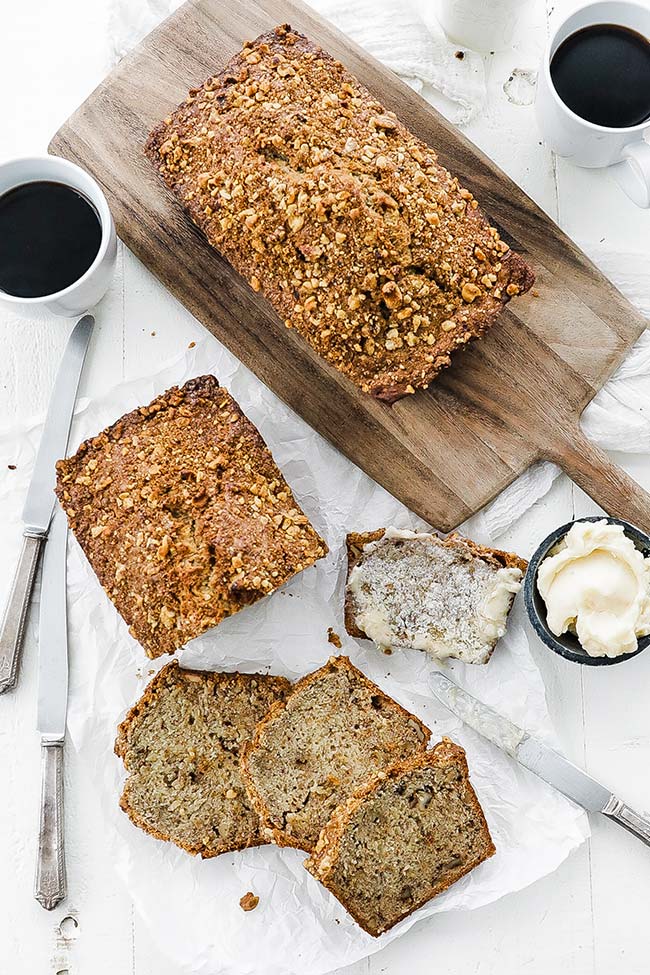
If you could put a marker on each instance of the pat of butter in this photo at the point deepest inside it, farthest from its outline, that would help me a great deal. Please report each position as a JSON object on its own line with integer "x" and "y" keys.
{"x": 596, "y": 584}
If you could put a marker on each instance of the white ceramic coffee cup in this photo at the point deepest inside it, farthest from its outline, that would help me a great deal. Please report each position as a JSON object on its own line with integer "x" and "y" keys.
{"x": 585, "y": 143}
{"x": 84, "y": 293}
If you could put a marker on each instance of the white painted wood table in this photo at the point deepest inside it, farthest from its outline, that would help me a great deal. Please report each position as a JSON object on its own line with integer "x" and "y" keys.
{"x": 591, "y": 916}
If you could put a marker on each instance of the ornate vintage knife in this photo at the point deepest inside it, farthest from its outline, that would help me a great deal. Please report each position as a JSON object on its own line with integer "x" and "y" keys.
{"x": 50, "y": 881}
{"x": 538, "y": 757}
{"x": 39, "y": 503}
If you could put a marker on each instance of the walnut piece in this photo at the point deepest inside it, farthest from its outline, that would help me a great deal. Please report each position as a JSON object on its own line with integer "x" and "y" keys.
{"x": 249, "y": 901}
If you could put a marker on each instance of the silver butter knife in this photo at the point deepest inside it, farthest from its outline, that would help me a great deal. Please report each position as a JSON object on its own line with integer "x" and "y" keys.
{"x": 50, "y": 880}
{"x": 533, "y": 754}
{"x": 39, "y": 503}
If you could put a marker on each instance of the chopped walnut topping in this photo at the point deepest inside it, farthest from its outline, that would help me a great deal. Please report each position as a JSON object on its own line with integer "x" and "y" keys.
{"x": 196, "y": 521}
{"x": 470, "y": 292}
{"x": 328, "y": 193}
{"x": 384, "y": 122}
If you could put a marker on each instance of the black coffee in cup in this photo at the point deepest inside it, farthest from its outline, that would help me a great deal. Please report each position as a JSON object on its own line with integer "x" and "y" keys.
{"x": 50, "y": 234}
{"x": 602, "y": 73}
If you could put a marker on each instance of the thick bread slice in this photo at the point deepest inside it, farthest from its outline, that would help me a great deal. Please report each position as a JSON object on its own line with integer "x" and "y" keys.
{"x": 449, "y": 597}
{"x": 335, "y": 731}
{"x": 180, "y": 744}
{"x": 403, "y": 838}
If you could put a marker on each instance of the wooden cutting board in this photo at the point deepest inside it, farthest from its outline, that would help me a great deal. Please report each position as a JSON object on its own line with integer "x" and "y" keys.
{"x": 511, "y": 399}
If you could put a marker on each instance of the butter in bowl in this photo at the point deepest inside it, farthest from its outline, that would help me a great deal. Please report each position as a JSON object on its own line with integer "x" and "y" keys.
{"x": 587, "y": 590}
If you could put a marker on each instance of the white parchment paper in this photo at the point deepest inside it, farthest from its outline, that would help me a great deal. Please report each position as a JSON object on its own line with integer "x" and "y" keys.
{"x": 297, "y": 927}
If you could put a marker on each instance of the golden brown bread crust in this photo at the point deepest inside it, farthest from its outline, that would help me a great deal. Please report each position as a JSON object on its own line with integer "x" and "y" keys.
{"x": 322, "y": 860}
{"x": 355, "y": 542}
{"x": 169, "y": 677}
{"x": 341, "y": 217}
{"x": 270, "y": 829}
{"x": 183, "y": 514}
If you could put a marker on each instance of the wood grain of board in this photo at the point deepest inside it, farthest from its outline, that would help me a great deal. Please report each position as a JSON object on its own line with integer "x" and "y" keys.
{"x": 512, "y": 398}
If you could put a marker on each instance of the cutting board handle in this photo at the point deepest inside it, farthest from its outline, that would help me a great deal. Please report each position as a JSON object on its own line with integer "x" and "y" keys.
{"x": 609, "y": 486}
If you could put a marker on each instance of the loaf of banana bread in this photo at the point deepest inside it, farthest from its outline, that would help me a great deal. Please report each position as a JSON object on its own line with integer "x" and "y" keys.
{"x": 336, "y": 213}
{"x": 184, "y": 515}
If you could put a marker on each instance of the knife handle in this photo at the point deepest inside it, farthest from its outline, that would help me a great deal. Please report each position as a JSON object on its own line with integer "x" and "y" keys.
{"x": 50, "y": 881}
{"x": 617, "y": 810}
{"x": 12, "y": 628}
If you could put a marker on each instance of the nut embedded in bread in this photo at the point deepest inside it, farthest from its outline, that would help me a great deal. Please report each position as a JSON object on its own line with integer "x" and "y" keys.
{"x": 183, "y": 514}
{"x": 334, "y": 211}
{"x": 335, "y": 731}
{"x": 449, "y": 597}
{"x": 180, "y": 746}
{"x": 403, "y": 839}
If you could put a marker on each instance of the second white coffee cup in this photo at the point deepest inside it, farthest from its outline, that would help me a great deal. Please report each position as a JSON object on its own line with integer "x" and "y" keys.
{"x": 585, "y": 143}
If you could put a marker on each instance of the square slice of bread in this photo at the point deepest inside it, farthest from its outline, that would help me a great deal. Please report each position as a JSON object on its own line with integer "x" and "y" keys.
{"x": 449, "y": 597}
{"x": 183, "y": 514}
{"x": 403, "y": 838}
{"x": 180, "y": 745}
{"x": 336, "y": 213}
{"x": 335, "y": 731}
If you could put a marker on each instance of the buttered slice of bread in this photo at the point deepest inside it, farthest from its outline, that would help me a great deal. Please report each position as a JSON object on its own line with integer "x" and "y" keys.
{"x": 449, "y": 597}
{"x": 403, "y": 838}
{"x": 180, "y": 745}
{"x": 333, "y": 733}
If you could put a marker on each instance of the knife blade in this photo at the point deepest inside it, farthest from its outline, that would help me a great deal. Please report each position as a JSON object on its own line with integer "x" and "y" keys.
{"x": 40, "y": 500}
{"x": 50, "y": 879}
{"x": 538, "y": 757}
{"x": 39, "y": 503}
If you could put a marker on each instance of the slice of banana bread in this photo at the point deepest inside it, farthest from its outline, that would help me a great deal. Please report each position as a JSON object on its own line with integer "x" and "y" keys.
{"x": 403, "y": 838}
{"x": 184, "y": 515}
{"x": 449, "y": 597}
{"x": 335, "y": 731}
{"x": 180, "y": 745}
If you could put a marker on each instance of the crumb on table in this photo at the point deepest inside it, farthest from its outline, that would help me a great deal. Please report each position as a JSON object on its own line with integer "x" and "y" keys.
{"x": 334, "y": 637}
{"x": 249, "y": 901}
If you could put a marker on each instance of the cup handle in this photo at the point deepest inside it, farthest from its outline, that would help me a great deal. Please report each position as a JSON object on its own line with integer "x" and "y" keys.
{"x": 633, "y": 173}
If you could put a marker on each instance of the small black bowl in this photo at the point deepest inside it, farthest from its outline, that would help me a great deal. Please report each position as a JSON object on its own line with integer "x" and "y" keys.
{"x": 568, "y": 645}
